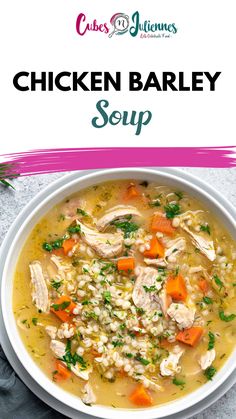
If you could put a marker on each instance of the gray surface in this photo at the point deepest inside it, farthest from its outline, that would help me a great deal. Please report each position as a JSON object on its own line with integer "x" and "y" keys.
{"x": 11, "y": 202}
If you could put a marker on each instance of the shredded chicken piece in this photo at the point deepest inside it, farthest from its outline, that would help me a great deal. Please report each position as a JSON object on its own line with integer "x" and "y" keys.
{"x": 62, "y": 269}
{"x": 175, "y": 247}
{"x": 151, "y": 384}
{"x": 206, "y": 247}
{"x": 69, "y": 209}
{"x": 206, "y": 359}
{"x": 183, "y": 315}
{"x": 65, "y": 331}
{"x": 120, "y": 211}
{"x": 58, "y": 348}
{"x": 199, "y": 270}
{"x": 160, "y": 263}
{"x": 51, "y": 331}
{"x": 106, "y": 245}
{"x": 142, "y": 295}
{"x": 169, "y": 366}
{"x": 39, "y": 287}
{"x": 89, "y": 396}
{"x": 164, "y": 300}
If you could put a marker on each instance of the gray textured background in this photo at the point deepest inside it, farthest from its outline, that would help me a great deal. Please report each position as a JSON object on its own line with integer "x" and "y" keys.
{"x": 11, "y": 203}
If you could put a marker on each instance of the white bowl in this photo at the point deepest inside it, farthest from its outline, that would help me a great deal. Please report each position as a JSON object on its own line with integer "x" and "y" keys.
{"x": 36, "y": 209}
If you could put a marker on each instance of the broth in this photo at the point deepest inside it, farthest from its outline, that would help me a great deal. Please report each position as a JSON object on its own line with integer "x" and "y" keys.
{"x": 148, "y": 324}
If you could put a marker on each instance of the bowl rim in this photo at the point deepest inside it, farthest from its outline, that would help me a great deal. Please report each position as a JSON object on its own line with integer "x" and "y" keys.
{"x": 166, "y": 409}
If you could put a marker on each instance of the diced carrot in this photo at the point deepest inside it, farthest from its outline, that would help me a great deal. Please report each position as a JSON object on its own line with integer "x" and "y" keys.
{"x": 190, "y": 336}
{"x": 64, "y": 314}
{"x": 203, "y": 285}
{"x": 62, "y": 371}
{"x": 175, "y": 287}
{"x": 59, "y": 252}
{"x": 132, "y": 192}
{"x": 68, "y": 245}
{"x": 122, "y": 373}
{"x": 164, "y": 343}
{"x": 156, "y": 249}
{"x": 126, "y": 264}
{"x": 94, "y": 353}
{"x": 162, "y": 224}
{"x": 140, "y": 396}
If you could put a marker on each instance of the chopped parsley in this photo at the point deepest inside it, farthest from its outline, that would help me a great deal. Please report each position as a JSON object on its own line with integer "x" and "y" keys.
{"x": 91, "y": 315}
{"x": 210, "y": 372}
{"x": 117, "y": 343}
{"x": 34, "y": 321}
{"x": 56, "y": 284}
{"x": 155, "y": 203}
{"x": 179, "y": 195}
{"x": 207, "y": 300}
{"x": 140, "y": 310}
{"x": 172, "y": 210}
{"x": 127, "y": 227}
{"x": 86, "y": 302}
{"x": 129, "y": 355}
{"x": 176, "y": 271}
{"x": 206, "y": 228}
{"x": 61, "y": 306}
{"x": 72, "y": 359}
{"x": 211, "y": 343}
{"x": 56, "y": 244}
{"x": 74, "y": 229}
{"x": 107, "y": 297}
{"x": 82, "y": 212}
{"x": 142, "y": 360}
{"x": 218, "y": 281}
{"x": 152, "y": 288}
{"x": 226, "y": 318}
{"x": 178, "y": 382}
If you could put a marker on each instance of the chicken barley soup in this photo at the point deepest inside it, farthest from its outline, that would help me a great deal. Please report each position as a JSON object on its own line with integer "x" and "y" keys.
{"x": 127, "y": 289}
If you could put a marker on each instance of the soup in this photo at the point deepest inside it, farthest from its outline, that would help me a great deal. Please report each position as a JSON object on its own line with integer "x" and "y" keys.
{"x": 124, "y": 294}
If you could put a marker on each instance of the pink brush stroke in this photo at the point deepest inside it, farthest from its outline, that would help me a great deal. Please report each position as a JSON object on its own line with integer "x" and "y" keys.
{"x": 59, "y": 160}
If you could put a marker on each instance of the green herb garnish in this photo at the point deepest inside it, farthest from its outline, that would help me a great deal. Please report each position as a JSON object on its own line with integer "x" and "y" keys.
{"x": 56, "y": 244}
{"x": 107, "y": 297}
{"x": 206, "y": 228}
{"x": 211, "y": 343}
{"x": 61, "y": 306}
{"x": 172, "y": 210}
{"x": 72, "y": 359}
{"x": 207, "y": 300}
{"x": 226, "y": 318}
{"x": 218, "y": 281}
{"x": 210, "y": 372}
{"x": 127, "y": 227}
{"x": 179, "y": 194}
{"x": 117, "y": 343}
{"x": 178, "y": 382}
{"x": 34, "y": 321}
{"x": 142, "y": 360}
{"x": 74, "y": 229}
{"x": 129, "y": 355}
{"x": 82, "y": 212}
{"x": 86, "y": 302}
{"x": 91, "y": 315}
{"x": 56, "y": 284}
{"x": 152, "y": 288}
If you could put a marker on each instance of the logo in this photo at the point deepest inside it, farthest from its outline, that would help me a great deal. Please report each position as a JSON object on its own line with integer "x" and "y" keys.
{"x": 121, "y": 23}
